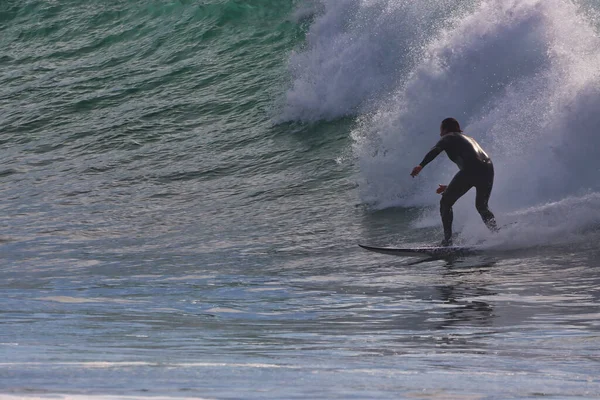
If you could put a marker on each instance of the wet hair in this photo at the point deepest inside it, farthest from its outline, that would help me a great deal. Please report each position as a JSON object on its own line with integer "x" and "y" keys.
{"x": 451, "y": 125}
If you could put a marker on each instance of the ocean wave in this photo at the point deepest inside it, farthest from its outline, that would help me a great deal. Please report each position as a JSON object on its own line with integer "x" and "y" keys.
{"x": 356, "y": 52}
{"x": 520, "y": 75}
{"x": 521, "y": 80}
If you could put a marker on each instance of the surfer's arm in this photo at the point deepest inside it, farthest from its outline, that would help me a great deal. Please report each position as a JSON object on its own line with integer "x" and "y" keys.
{"x": 433, "y": 153}
{"x": 429, "y": 157}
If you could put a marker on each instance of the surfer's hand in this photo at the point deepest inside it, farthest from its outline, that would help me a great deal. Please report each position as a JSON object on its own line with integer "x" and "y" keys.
{"x": 416, "y": 171}
{"x": 441, "y": 189}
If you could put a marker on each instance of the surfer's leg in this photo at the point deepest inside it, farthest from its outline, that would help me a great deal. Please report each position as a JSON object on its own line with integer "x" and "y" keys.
{"x": 484, "y": 190}
{"x": 460, "y": 184}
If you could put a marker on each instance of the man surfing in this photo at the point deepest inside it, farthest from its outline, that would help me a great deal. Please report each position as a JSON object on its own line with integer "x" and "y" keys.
{"x": 476, "y": 169}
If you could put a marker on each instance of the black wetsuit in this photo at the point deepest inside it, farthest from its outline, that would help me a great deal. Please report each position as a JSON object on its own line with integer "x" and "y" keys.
{"x": 476, "y": 169}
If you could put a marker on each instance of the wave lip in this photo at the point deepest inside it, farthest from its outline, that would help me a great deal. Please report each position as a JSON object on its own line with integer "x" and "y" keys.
{"x": 522, "y": 78}
{"x": 356, "y": 52}
{"x": 520, "y": 75}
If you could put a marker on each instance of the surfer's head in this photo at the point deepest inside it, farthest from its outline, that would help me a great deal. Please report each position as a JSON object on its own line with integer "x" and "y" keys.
{"x": 449, "y": 125}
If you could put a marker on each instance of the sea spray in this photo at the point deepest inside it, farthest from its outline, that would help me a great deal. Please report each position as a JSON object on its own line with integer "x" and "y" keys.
{"x": 357, "y": 52}
{"x": 522, "y": 78}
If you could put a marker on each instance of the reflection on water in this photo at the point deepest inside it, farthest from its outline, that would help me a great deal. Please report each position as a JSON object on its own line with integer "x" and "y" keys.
{"x": 467, "y": 284}
{"x": 361, "y": 323}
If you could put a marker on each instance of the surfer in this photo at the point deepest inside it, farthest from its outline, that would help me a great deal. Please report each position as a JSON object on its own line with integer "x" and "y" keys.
{"x": 476, "y": 169}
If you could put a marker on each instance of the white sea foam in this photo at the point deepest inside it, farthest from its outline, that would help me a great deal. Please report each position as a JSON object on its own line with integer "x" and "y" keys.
{"x": 356, "y": 52}
{"x": 520, "y": 75}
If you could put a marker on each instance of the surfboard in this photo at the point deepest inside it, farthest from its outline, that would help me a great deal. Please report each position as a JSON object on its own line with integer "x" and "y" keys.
{"x": 450, "y": 251}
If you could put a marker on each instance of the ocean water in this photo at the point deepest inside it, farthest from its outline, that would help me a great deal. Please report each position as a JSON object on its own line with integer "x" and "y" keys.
{"x": 183, "y": 186}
